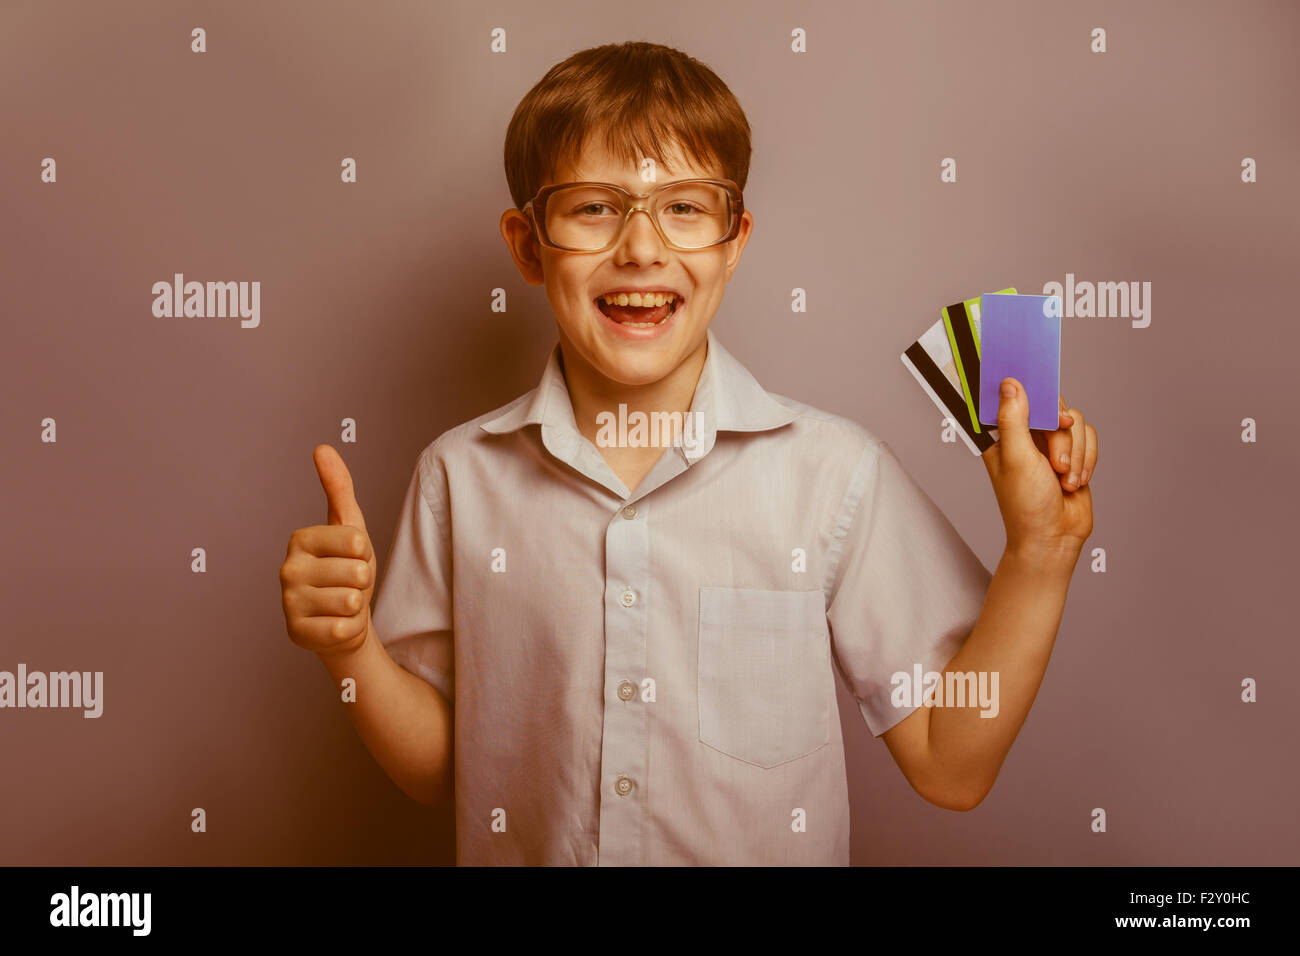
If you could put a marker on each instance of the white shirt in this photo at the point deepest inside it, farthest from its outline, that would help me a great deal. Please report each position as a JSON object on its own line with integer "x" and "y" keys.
{"x": 646, "y": 678}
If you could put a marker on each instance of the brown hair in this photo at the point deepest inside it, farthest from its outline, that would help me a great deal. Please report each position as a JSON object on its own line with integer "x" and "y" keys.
{"x": 638, "y": 96}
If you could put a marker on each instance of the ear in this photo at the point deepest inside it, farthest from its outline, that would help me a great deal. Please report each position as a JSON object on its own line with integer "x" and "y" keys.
{"x": 736, "y": 246}
{"x": 517, "y": 231}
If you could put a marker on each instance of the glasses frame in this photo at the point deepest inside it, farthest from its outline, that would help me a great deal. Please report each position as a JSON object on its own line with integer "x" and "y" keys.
{"x": 633, "y": 202}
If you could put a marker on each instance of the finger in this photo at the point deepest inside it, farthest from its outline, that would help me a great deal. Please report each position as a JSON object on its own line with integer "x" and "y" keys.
{"x": 1089, "y": 459}
{"x": 314, "y": 632}
{"x": 1078, "y": 448}
{"x": 334, "y": 541}
{"x": 332, "y": 602}
{"x": 1013, "y": 423}
{"x": 337, "y": 573}
{"x": 1065, "y": 418}
{"x": 1059, "y": 445}
{"x": 337, "y": 482}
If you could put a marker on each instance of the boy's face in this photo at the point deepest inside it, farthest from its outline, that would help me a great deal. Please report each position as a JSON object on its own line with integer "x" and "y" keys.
{"x": 639, "y": 260}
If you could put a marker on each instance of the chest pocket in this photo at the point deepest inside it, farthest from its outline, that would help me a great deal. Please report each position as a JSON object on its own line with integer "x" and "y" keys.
{"x": 765, "y": 677}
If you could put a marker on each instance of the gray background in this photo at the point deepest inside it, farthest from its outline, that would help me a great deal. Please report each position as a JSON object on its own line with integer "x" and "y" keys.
{"x": 176, "y": 433}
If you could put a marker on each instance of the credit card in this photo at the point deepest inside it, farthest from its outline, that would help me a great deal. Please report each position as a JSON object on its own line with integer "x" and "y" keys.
{"x": 930, "y": 361}
{"x": 1020, "y": 338}
{"x": 962, "y": 321}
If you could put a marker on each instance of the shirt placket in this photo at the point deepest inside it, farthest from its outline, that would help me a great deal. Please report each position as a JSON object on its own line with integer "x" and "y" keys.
{"x": 624, "y": 781}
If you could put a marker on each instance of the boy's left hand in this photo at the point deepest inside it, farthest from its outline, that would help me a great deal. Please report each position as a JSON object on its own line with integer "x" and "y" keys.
{"x": 1041, "y": 478}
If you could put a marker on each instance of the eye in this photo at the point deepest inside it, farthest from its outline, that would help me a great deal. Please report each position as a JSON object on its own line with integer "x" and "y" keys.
{"x": 683, "y": 208}
{"x": 592, "y": 208}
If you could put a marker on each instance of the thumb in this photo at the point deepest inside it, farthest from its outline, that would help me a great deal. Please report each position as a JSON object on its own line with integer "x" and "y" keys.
{"x": 1013, "y": 422}
{"x": 337, "y": 482}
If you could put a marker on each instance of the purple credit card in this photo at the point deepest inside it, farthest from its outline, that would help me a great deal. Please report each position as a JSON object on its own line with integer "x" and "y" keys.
{"x": 1020, "y": 338}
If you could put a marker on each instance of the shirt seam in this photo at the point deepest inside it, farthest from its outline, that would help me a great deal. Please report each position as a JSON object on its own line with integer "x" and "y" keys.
{"x": 424, "y": 496}
{"x": 444, "y": 682}
{"x": 865, "y": 470}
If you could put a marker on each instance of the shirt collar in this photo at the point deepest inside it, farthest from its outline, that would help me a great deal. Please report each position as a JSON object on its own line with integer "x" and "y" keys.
{"x": 728, "y": 397}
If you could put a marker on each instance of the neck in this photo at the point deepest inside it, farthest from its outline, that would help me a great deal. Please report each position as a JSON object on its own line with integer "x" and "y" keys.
{"x": 593, "y": 393}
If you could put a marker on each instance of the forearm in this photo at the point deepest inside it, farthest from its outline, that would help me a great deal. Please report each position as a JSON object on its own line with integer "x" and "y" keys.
{"x": 404, "y": 722}
{"x": 1013, "y": 638}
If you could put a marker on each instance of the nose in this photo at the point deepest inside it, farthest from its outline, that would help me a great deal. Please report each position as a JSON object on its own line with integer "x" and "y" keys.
{"x": 640, "y": 240}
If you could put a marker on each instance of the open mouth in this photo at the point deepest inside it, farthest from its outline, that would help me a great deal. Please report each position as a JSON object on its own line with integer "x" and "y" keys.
{"x": 639, "y": 316}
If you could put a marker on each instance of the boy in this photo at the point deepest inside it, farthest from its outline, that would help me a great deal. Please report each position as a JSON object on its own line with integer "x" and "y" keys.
{"x": 638, "y": 633}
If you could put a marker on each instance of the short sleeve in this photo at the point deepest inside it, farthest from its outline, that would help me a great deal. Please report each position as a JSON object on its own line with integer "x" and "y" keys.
{"x": 907, "y": 590}
{"x": 412, "y": 614}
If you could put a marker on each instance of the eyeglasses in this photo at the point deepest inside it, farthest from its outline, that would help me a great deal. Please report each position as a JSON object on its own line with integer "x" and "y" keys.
{"x": 688, "y": 214}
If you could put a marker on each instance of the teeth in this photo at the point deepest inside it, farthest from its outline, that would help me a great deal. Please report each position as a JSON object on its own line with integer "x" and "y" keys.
{"x": 649, "y": 299}
{"x": 645, "y": 325}
{"x": 643, "y": 300}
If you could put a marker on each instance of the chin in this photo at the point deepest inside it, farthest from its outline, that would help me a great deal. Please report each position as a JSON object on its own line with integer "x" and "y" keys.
{"x": 634, "y": 367}
{"x": 637, "y": 356}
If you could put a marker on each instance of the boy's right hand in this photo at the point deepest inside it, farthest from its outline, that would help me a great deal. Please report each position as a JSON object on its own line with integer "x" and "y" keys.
{"x": 329, "y": 572}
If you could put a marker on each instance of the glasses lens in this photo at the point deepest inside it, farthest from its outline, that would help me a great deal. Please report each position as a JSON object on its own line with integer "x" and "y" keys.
{"x": 692, "y": 215}
{"x": 583, "y": 217}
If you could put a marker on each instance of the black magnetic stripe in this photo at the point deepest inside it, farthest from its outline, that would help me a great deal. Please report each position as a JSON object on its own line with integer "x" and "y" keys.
{"x": 953, "y": 399}
{"x": 970, "y": 356}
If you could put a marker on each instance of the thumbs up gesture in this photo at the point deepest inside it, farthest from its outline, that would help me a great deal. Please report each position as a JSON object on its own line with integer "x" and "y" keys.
{"x": 329, "y": 572}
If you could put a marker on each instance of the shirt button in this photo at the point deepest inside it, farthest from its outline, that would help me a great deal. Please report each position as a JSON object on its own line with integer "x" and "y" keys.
{"x": 623, "y": 786}
{"x": 627, "y": 690}
{"x": 629, "y": 512}
{"x": 628, "y": 598}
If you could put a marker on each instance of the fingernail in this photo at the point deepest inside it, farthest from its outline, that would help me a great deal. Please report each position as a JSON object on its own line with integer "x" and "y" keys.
{"x": 1073, "y": 479}
{"x": 1064, "y": 459}
{"x": 1084, "y": 476}
{"x": 1008, "y": 390}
